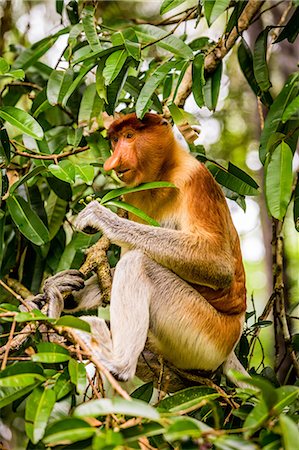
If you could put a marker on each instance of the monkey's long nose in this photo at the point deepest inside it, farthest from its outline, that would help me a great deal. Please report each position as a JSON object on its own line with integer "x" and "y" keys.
{"x": 112, "y": 162}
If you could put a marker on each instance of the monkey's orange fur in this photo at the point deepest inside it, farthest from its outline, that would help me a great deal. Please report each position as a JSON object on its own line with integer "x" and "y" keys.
{"x": 181, "y": 286}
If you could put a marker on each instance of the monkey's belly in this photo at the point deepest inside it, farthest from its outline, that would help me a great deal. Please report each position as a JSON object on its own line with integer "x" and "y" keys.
{"x": 201, "y": 354}
{"x": 189, "y": 347}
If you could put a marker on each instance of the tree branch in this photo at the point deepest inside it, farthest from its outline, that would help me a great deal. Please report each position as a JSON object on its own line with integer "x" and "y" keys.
{"x": 222, "y": 48}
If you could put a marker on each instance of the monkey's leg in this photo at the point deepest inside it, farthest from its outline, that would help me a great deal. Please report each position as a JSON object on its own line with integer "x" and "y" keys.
{"x": 148, "y": 299}
{"x": 120, "y": 348}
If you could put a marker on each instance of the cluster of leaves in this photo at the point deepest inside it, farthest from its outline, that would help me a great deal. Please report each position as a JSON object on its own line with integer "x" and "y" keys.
{"x": 52, "y": 148}
{"x": 59, "y": 412}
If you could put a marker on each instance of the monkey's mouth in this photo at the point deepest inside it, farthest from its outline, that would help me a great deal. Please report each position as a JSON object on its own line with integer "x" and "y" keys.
{"x": 123, "y": 172}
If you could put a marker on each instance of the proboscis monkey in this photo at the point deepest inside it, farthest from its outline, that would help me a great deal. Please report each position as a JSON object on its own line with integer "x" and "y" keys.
{"x": 181, "y": 286}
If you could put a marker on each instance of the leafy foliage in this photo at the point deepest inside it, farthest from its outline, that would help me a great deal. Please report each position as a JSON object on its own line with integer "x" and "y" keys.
{"x": 52, "y": 149}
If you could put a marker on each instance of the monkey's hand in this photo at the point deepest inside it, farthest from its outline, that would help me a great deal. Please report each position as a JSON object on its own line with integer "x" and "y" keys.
{"x": 97, "y": 217}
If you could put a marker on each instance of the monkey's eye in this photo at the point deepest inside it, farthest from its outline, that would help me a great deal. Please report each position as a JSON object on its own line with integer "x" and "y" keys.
{"x": 115, "y": 139}
{"x": 129, "y": 135}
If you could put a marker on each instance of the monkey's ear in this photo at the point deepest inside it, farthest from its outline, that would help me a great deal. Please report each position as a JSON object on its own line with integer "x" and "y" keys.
{"x": 107, "y": 120}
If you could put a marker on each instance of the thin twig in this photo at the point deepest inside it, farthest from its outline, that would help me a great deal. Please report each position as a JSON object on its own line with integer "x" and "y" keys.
{"x": 52, "y": 157}
{"x": 8, "y": 345}
{"x": 167, "y": 34}
{"x": 17, "y": 296}
{"x": 116, "y": 386}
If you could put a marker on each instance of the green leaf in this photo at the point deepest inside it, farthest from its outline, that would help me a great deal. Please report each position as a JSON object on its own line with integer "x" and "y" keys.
{"x": 97, "y": 56}
{"x": 279, "y": 180}
{"x": 86, "y": 106}
{"x": 114, "y": 64}
{"x": 9, "y": 394}
{"x": 116, "y": 405}
{"x": 18, "y": 74}
{"x": 230, "y": 180}
{"x": 4, "y": 66}
{"x": 187, "y": 398}
{"x": 82, "y": 72}
{"x": 291, "y": 29}
{"x": 182, "y": 429}
{"x": 79, "y": 242}
{"x": 114, "y": 193}
{"x": 198, "y": 79}
{"x": 99, "y": 145}
{"x": 89, "y": 26}
{"x": 115, "y": 88}
{"x": 256, "y": 418}
{"x": 211, "y": 88}
{"x": 21, "y": 380}
{"x": 22, "y": 368}
{"x": 25, "y": 178}
{"x": 74, "y": 136}
{"x": 246, "y": 64}
{"x": 260, "y": 66}
{"x": 133, "y": 86}
{"x": 177, "y": 114}
{"x": 290, "y": 432}
{"x": 64, "y": 170}
{"x": 290, "y": 110}
{"x": 58, "y": 85}
{"x": 67, "y": 431}
{"x": 144, "y": 392}
{"x": 34, "y": 314}
{"x": 108, "y": 440}
{"x": 39, "y": 406}
{"x": 56, "y": 210}
{"x": 234, "y": 17}
{"x": 273, "y": 118}
{"x": 30, "y": 56}
{"x": 4, "y": 146}
{"x": 59, "y": 6}
{"x": 28, "y": 223}
{"x": 63, "y": 385}
{"x": 77, "y": 373}
{"x": 85, "y": 172}
{"x": 151, "y": 33}
{"x": 168, "y": 5}
{"x": 73, "y": 322}
{"x": 179, "y": 81}
{"x": 100, "y": 81}
{"x": 72, "y": 11}
{"x": 286, "y": 395}
{"x": 145, "y": 429}
{"x": 50, "y": 358}
{"x": 214, "y": 8}
{"x": 202, "y": 43}
{"x": 129, "y": 39}
{"x": 269, "y": 393}
{"x": 50, "y": 353}
{"x": 144, "y": 100}
{"x": 46, "y": 347}
{"x": 132, "y": 209}
{"x": 296, "y": 206}
{"x": 22, "y": 120}
{"x": 234, "y": 443}
{"x": 242, "y": 175}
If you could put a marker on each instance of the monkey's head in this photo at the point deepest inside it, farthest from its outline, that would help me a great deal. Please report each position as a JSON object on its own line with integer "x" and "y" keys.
{"x": 140, "y": 147}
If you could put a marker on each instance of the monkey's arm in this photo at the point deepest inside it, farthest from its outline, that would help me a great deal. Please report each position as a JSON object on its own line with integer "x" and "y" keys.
{"x": 195, "y": 258}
